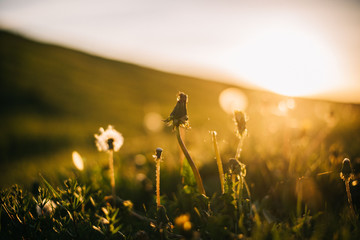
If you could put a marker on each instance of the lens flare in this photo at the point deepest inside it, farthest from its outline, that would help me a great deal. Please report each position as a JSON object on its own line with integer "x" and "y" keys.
{"x": 232, "y": 99}
{"x": 153, "y": 121}
{"x": 77, "y": 160}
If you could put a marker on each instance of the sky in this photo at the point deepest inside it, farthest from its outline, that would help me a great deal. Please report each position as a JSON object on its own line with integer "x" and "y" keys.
{"x": 307, "y": 48}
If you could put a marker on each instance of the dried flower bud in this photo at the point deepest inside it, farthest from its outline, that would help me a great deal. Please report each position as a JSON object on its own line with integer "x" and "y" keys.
{"x": 346, "y": 170}
{"x": 179, "y": 116}
{"x": 240, "y": 122}
{"x": 158, "y": 152}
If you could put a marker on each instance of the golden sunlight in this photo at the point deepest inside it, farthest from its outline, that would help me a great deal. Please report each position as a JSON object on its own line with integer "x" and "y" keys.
{"x": 232, "y": 99}
{"x": 288, "y": 59}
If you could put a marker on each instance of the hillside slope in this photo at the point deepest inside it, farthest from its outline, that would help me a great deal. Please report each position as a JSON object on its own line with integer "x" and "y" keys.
{"x": 58, "y": 86}
{"x": 54, "y": 99}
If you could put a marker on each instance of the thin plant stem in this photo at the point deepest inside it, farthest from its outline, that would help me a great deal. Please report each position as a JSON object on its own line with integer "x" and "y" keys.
{"x": 219, "y": 162}
{"x": 247, "y": 190}
{"x": 233, "y": 180}
{"x": 347, "y": 185}
{"x": 158, "y": 182}
{"x": 191, "y": 162}
{"x": 112, "y": 174}
{"x": 240, "y": 191}
{"x": 239, "y": 148}
{"x": 181, "y": 156}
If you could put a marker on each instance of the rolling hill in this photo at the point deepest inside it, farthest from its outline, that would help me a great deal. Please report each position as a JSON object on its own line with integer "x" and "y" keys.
{"x": 54, "y": 99}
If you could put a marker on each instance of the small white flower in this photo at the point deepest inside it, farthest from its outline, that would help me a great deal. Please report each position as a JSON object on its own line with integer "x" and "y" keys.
{"x": 109, "y": 139}
{"x": 77, "y": 160}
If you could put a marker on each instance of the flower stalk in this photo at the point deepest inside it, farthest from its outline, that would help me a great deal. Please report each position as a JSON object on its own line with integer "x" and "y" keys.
{"x": 178, "y": 117}
{"x": 112, "y": 174}
{"x": 241, "y": 131}
{"x": 110, "y": 141}
{"x": 218, "y": 161}
{"x": 190, "y": 161}
{"x": 346, "y": 175}
{"x": 158, "y": 160}
{"x": 239, "y": 147}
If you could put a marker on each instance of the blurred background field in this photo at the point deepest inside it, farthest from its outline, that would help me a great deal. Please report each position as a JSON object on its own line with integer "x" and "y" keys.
{"x": 53, "y": 101}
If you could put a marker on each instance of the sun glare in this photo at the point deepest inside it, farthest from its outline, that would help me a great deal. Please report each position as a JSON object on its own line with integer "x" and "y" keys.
{"x": 232, "y": 99}
{"x": 287, "y": 59}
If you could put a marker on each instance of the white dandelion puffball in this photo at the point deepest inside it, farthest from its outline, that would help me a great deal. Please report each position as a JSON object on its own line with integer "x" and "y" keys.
{"x": 77, "y": 160}
{"x": 109, "y": 139}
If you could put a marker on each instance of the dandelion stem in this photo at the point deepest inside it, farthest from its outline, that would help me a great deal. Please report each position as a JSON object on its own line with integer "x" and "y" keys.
{"x": 112, "y": 174}
{"x": 158, "y": 182}
{"x": 191, "y": 162}
{"x": 219, "y": 162}
{"x": 239, "y": 148}
{"x": 233, "y": 180}
{"x": 181, "y": 157}
{"x": 347, "y": 185}
{"x": 240, "y": 191}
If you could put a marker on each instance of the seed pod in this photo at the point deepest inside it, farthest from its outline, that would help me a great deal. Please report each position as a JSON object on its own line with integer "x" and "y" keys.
{"x": 240, "y": 122}
{"x": 158, "y": 152}
{"x": 346, "y": 170}
{"x": 179, "y": 117}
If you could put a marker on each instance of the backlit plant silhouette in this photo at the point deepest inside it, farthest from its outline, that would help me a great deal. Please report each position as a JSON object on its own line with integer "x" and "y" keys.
{"x": 179, "y": 118}
{"x": 346, "y": 174}
{"x": 157, "y": 157}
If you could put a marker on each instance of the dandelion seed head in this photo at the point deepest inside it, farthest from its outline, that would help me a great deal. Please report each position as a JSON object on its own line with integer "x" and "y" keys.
{"x": 77, "y": 160}
{"x": 109, "y": 139}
